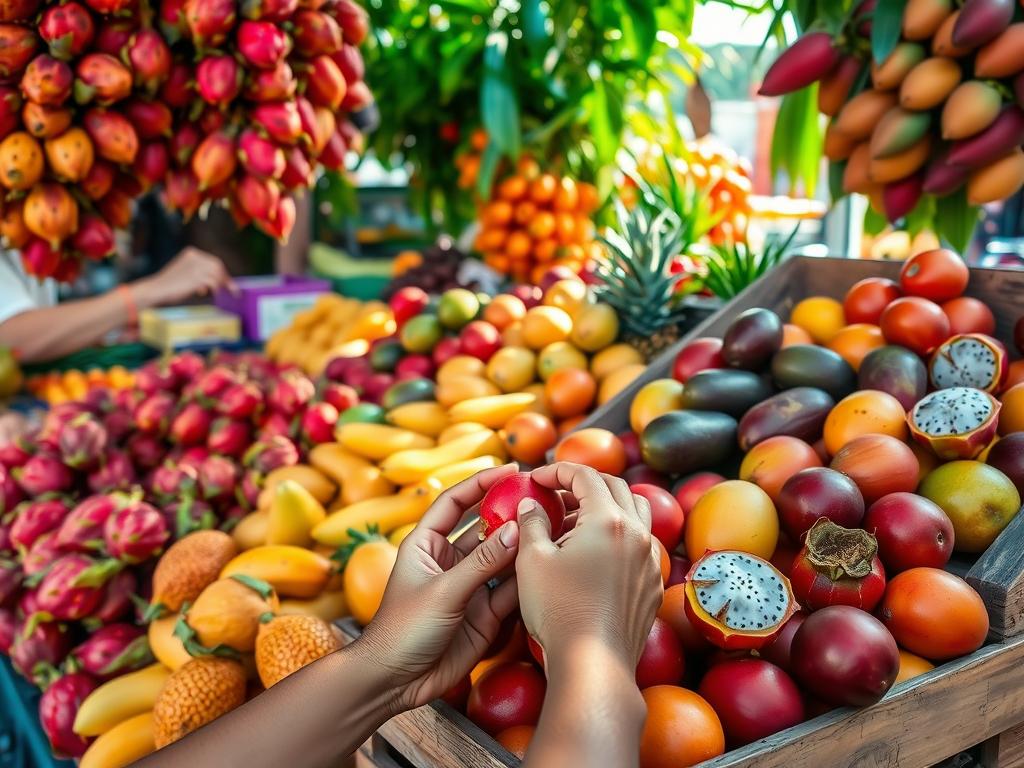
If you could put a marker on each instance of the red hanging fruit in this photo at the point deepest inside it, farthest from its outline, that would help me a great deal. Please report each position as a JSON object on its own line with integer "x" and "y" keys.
{"x": 280, "y": 120}
{"x": 209, "y": 21}
{"x": 152, "y": 163}
{"x": 218, "y": 80}
{"x": 176, "y": 91}
{"x": 262, "y": 43}
{"x": 806, "y": 61}
{"x": 99, "y": 180}
{"x": 277, "y": 84}
{"x": 316, "y": 33}
{"x": 260, "y": 156}
{"x": 149, "y": 57}
{"x": 116, "y": 208}
{"x": 112, "y": 135}
{"x": 214, "y": 162}
{"x": 40, "y": 258}
{"x": 152, "y": 119}
{"x": 325, "y": 85}
{"x": 181, "y": 192}
{"x": 258, "y": 197}
{"x": 354, "y": 22}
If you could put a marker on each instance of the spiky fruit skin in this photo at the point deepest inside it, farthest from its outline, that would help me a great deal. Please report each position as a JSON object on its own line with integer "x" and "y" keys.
{"x": 956, "y": 423}
{"x": 501, "y": 503}
{"x": 716, "y": 630}
{"x": 189, "y": 566}
{"x": 196, "y": 694}
{"x": 112, "y": 650}
{"x": 135, "y": 533}
{"x": 287, "y": 643}
{"x": 35, "y": 519}
{"x": 969, "y": 360}
{"x": 82, "y": 529}
{"x": 67, "y": 29}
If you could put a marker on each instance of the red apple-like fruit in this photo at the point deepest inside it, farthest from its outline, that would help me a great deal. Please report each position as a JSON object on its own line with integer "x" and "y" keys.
{"x": 446, "y": 349}
{"x": 501, "y": 503}
{"x": 818, "y": 492}
{"x": 691, "y": 488}
{"x": 661, "y": 662}
{"x": 480, "y": 339}
{"x": 911, "y": 530}
{"x": 408, "y": 302}
{"x": 666, "y": 515}
{"x": 699, "y": 355}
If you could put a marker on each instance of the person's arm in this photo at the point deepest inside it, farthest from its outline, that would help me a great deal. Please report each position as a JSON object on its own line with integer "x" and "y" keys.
{"x": 52, "y": 332}
{"x": 436, "y": 621}
{"x": 593, "y": 625}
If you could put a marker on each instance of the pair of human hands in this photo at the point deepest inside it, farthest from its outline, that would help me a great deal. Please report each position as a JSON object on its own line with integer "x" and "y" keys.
{"x": 600, "y": 580}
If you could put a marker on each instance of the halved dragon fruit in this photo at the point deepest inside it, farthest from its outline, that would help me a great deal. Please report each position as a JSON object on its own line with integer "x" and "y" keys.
{"x": 969, "y": 360}
{"x": 737, "y": 600}
{"x": 956, "y": 423}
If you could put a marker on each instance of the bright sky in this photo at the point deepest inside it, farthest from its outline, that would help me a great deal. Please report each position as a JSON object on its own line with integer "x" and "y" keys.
{"x": 714, "y": 24}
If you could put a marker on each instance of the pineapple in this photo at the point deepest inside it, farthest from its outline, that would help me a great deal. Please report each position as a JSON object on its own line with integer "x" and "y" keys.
{"x": 635, "y": 280}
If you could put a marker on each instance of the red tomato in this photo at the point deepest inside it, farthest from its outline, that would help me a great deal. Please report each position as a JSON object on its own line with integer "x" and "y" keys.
{"x": 867, "y": 299}
{"x": 915, "y": 323}
{"x": 968, "y": 315}
{"x": 939, "y": 275}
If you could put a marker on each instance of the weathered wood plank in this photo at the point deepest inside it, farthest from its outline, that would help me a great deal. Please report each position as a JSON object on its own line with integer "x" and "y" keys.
{"x": 998, "y": 575}
{"x": 437, "y": 736}
{"x": 1005, "y": 750}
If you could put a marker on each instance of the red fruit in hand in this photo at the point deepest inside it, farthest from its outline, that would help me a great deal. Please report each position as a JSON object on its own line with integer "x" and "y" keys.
{"x": 666, "y": 515}
{"x": 838, "y": 566}
{"x": 911, "y": 532}
{"x": 57, "y": 709}
{"x": 501, "y": 503}
{"x": 507, "y": 695}
{"x": 662, "y": 661}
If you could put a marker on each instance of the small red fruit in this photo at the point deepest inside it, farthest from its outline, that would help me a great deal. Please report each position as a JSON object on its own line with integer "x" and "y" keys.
{"x": 480, "y": 339}
{"x": 501, "y": 503}
{"x": 969, "y": 315}
{"x": 911, "y": 530}
{"x": 666, "y": 515}
{"x": 779, "y": 649}
{"x": 838, "y": 566}
{"x": 662, "y": 661}
{"x": 939, "y": 275}
{"x": 753, "y": 699}
{"x": 691, "y": 488}
{"x": 507, "y": 695}
{"x": 867, "y": 299}
{"x": 915, "y": 323}
{"x": 698, "y": 355}
{"x": 407, "y": 303}
{"x": 816, "y": 493}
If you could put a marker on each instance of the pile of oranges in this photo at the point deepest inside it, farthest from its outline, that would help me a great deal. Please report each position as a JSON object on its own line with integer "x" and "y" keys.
{"x": 57, "y": 387}
{"x": 534, "y": 220}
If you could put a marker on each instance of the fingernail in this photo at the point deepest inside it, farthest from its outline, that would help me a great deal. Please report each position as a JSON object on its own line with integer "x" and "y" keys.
{"x": 526, "y": 506}
{"x": 508, "y": 534}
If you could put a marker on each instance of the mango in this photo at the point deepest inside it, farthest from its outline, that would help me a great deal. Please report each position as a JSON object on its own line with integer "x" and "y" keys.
{"x": 427, "y": 418}
{"x": 998, "y": 180}
{"x": 930, "y": 83}
{"x": 855, "y": 175}
{"x": 387, "y": 514}
{"x": 458, "y": 388}
{"x": 293, "y": 513}
{"x": 291, "y": 571}
{"x": 120, "y": 699}
{"x": 493, "y": 412}
{"x": 124, "y": 744}
{"x": 1004, "y": 56}
{"x": 413, "y": 466}
{"x": 329, "y": 605}
{"x": 313, "y": 480}
{"x": 835, "y": 87}
{"x": 454, "y": 474}
{"x": 251, "y": 530}
{"x": 460, "y": 365}
{"x": 922, "y": 18}
{"x": 378, "y": 441}
{"x": 887, "y": 75}
{"x": 897, "y": 131}
{"x": 862, "y": 113}
{"x": 970, "y": 109}
{"x": 942, "y": 43}
{"x": 512, "y": 368}
{"x": 889, "y": 169}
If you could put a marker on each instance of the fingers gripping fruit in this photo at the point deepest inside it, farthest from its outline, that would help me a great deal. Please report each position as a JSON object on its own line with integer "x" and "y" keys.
{"x": 501, "y": 503}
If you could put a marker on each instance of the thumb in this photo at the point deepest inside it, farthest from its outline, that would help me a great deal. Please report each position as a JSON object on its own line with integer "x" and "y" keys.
{"x": 491, "y": 557}
{"x": 534, "y": 525}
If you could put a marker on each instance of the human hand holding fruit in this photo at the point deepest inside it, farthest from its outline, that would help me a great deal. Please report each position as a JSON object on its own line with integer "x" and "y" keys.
{"x": 438, "y": 618}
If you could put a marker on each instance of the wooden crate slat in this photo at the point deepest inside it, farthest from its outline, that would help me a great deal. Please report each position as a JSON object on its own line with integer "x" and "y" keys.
{"x": 998, "y": 575}
{"x": 437, "y": 736}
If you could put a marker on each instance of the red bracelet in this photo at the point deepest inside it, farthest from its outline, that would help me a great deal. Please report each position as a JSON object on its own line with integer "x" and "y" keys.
{"x": 129, "y": 304}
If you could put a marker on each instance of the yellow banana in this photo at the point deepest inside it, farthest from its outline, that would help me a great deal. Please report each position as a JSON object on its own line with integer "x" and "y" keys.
{"x": 329, "y": 605}
{"x": 292, "y": 515}
{"x": 493, "y": 411}
{"x": 122, "y": 745}
{"x": 312, "y": 479}
{"x": 117, "y": 700}
{"x": 166, "y": 647}
{"x": 359, "y": 479}
{"x": 251, "y": 530}
{"x": 458, "y": 430}
{"x": 291, "y": 571}
{"x": 426, "y": 418}
{"x": 378, "y": 441}
{"x": 387, "y": 513}
{"x": 412, "y": 466}
{"x": 462, "y": 470}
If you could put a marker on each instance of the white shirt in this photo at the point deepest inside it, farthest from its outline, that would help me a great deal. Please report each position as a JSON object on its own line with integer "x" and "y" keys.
{"x": 20, "y": 292}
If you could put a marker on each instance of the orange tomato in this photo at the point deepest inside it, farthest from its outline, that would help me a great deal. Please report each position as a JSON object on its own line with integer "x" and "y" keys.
{"x": 543, "y": 189}
{"x": 934, "y": 614}
{"x": 503, "y": 310}
{"x": 528, "y": 437}
{"x": 867, "y": 412}
{"x": 518, "y": 245}
{"x": 570, "y": 392}
{"x": 542, "y": 226}
{"x": 565, "y": 426}
{"x": 545, "y": 250}
{"x": 513, "y": 188}
{"x": 854, "y": 342}
{"x": 593, "y": 447}
{"x": 567, "y": 197}
{"x": 497, "y": 213}
{"x": 491, "y": 239}
{"x": 681, "y": 729}
{"x": 565, "y": 228}
{"x": 524, "y": 213}
{"x": 366, "y": 576}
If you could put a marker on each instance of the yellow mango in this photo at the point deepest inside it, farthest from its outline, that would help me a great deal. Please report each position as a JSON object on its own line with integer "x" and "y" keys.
{"x": 378, "y": 441}
{"x": 407, "y": 467}
{"x": 493, "y": 411}
{"x": 291, "y": 571}
{"x": 292, "y": 515}
{"x": 312, "y": 479}
{"x": 387, "y": 513}
{"x": 427, "y": 418}
{"x": 122, "y": 745}
{"x": 119, "y": 699}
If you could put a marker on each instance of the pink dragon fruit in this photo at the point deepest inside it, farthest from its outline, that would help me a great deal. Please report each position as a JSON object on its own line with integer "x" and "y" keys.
{"x": 215, "y": 381}
{"x": 275, "y": 84}
{"x": 147, "y": 451}
{"x": 276, "y": 452}
{"x": 57, "y": 709}
{"x": 113, "y": 650}
{"x": 192, "y": 456}
{"x": 8, "y": 625}
{"x": 14, "y": 454}
{"x": 68, "y": 29}
{"x": 260, "y": 156}
{"x": 119, "y": 424}
{"x": 273, "y": 425}
{"x": 116, "y": 474}
{"x": 155, "y": 377}
{"x": 191, "y": 425}
{"x": 171, "y": 480}
{"x": 186, "y": 366}
{"x": 82, "y": 529}
{"x": 229, "y": 437}
{"x": 117, "y": 598}
{"x": 269, "y": 10}
{"x": 99, "y": 400}
{"x": 209, "y": 21}
{"x": 218, "y": 476}
{"x": 10, "y": 492}
{"x": 41, "y": 555}
{"x": 37, "y": 654}
{"x": 10, "y": 581}
{"x": 298, "y": 171}
{"x": 135, "y": 533}
{"x": 247, "y": 494}
{"x": 73, "y": 587}
{"x": 153, "y": 415}
{"x": 262, "y": 43}
{"x": 240, "y": 401}
{"x": 82, "y": 442}
{"x": 34, "y": 518}
{"x": 44, "y": 474}
{"x": 279, "y": 119}
{"x": 218, "y": 80}
{"x": 318, "y": 423}
{"x": 290, "y": 393}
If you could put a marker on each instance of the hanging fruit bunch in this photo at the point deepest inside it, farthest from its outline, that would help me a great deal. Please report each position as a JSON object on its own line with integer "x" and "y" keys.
{"x": 536, "y": 220}
{"x": 105, "y": 99}
{"x": 940, "y": 109}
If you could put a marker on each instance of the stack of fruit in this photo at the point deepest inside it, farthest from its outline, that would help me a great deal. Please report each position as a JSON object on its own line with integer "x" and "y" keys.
{"x": 942, "y": 111}
{"x": 434, "y": 270}
{"x": 108, "y": 101}
{"x": 57, "y": 388}
{"x": 334, "y": 325}
{"x": 90, "y": 500}
{"x": 225, "y": 631}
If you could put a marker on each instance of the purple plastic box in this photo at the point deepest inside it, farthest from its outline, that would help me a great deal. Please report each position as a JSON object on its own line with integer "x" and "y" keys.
{"x": 267, "y": 303}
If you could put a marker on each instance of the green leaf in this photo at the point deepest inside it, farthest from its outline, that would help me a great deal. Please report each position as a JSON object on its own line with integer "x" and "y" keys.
{"x": 835, "y": 181}
{"x": 922, "y": 217}
{"x": 605, "y": 119}
{"x": 452, "y": 72}
{"x": 488, "y": 166}
{"x": 259, "y": 586}
{"x": 886, "y": 27}
{"x": 956, "y": 220}
{"x": 535, "y": 26}
{"x": 498, "y": 105}
{"x": 874, "y": 222}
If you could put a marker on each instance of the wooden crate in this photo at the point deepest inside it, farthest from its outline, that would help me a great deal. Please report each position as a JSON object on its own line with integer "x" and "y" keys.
{"x": 976, "y": 700}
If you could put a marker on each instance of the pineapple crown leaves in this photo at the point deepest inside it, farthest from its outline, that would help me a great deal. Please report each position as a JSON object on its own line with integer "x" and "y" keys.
{"x": 734, "y": 266}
